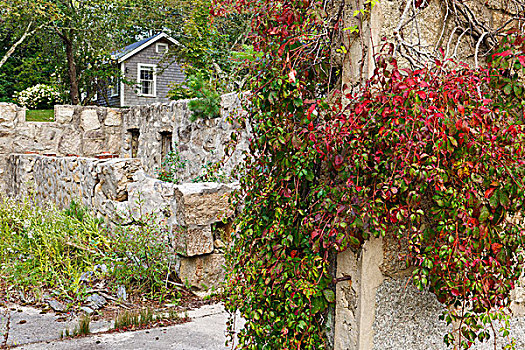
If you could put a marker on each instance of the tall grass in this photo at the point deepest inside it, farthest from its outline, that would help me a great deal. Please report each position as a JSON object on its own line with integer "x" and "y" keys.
{"x": 45, "y": 248}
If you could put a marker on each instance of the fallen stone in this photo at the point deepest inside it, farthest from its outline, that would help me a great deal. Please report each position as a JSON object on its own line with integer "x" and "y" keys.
{"x": 56, "y": 306}
{"x": 96, "y": 301}
{"x": 121, "y": 293}
{"x": 87, "y": 310}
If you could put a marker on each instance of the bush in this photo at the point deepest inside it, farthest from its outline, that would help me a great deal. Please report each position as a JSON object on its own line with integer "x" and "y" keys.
{"x": 206, "y": 103}
{"x": 68, "y": 251}
{"x": 40, "y": 96}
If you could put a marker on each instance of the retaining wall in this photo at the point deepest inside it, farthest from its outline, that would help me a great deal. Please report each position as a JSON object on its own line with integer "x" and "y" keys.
{"x": 119, "y": 190}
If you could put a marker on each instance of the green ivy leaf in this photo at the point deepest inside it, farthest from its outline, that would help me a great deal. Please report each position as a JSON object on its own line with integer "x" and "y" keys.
{"x": 329, "y": 295}
{"x": 484, "y": 214}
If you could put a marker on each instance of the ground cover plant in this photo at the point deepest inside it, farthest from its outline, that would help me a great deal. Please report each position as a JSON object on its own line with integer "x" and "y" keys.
{"x": 65, "y": 253}
{"x": 433, "y": 156}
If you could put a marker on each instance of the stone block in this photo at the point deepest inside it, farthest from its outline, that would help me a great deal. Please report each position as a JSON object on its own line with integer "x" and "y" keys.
{"x": 89, "y": 119}
{"x": 113, "y": 118}
{"x": 64, "y": 114}
{"x": 92, "y": 147}
{"x": 192, "y": 240}
{"x": 202, "y": 203}
{"x": 115, "y": 175}
{"x": 203, "y": 272}
{"x": 70, "y": 142}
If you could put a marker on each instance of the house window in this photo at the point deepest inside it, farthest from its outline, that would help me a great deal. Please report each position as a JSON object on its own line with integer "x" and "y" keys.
{"x": 114, "y": 86}
{"x": 162, "y": 48}
{"x": 147, "y": 80}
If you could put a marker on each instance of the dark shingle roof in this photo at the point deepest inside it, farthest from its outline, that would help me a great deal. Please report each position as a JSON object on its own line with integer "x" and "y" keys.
{"x": 122, "y": 52}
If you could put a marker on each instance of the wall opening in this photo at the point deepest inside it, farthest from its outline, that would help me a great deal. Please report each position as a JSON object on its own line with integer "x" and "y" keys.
{"x": 134, "y": 142}
{"x": 166, "y": 143}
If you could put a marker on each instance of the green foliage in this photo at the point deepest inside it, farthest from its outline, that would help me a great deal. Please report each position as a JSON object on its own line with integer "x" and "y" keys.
{"x": 171, "y": 167}
{"x": 433, "y": 156}
{"x": 142, "y": 318}
{"x": 141, "y": 257}
{"x": 212, "y": 172}
{"x": 44, "y": 248}
{"x": 206, "y": 101}
{"x": 207, "y": 49}
{"x": 39, "y": 97}
{"x": 277, "y": 281}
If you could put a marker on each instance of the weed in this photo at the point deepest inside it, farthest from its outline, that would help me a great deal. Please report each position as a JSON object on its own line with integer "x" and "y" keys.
{"x": 171, "y": 167}
{"x": 142, "y": 318}
{"x": 42, "y": 248}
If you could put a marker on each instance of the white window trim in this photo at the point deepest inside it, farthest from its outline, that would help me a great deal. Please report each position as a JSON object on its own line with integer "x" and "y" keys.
{"x": 144, "y": 65}
{"x": 161, "y": 44}
{"x": 114, "y": 91}
{"x": 122, "y": 87}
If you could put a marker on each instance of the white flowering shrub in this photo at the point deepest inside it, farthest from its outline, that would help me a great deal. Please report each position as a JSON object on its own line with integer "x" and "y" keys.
{"x": 40, "y": 96}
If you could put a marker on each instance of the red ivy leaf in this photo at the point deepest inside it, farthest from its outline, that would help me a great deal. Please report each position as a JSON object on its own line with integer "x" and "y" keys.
{"x": 496, "y": 247}
{"x": 502, "y": 54}
{"x": 489, "y": 192}
{"x": 522, "y": 60}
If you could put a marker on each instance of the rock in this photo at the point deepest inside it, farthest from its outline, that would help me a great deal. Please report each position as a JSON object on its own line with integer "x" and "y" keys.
{"x": 121, "y": 293}
{"x": 202, "y": 272}
{"x": 113, "y": 118}
{"x": 89, "y": 119}
{"x": 87, "y": 310}
{"x": 193, "y": 240}
{"x": 96, "y": 301}
{"x": 219, "y": 244}
{"x": 56, "y": 306}
{"x": 202, "y": 203}
{"x": 86, "y": 276}
{"x": 64, "y": 114}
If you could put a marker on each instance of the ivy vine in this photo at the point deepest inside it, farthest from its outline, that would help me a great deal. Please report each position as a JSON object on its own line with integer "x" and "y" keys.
{"x": 433, "y": 156}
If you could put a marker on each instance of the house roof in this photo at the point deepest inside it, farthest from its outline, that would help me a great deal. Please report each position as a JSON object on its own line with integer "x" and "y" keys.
{"x": 130, "y": 50}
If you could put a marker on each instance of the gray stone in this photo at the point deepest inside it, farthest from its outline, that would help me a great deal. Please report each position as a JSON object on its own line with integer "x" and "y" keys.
{"x": 64, "y": 114}
{"x": 96, "y": 301}
{"x": 56, "y": 306}
{"x": 121, "y": 293}
{"x": 89, "y": 119}
{"x": 87, "y": 310}
{"x": 113, "y": 118}
{"x": 203, "y": 203}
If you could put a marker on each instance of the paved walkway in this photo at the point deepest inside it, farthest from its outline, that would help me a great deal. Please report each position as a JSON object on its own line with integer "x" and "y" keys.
{"x": 205, "y": 331}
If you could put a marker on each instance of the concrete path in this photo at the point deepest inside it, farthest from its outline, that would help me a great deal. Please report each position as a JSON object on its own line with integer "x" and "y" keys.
{"x": 205, "y": 331}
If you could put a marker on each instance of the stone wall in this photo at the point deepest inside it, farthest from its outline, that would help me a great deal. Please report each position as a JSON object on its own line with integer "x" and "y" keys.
{"x": 91, "y": 131}
{"x": 80, "y": 131}
{"x": 198, "y": 142}
{"x": 119, "y": 190}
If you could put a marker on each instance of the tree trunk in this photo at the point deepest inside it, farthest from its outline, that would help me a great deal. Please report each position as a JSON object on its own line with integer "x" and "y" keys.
{"x": 26, "y": 34}
{"x": 71, "y": 70}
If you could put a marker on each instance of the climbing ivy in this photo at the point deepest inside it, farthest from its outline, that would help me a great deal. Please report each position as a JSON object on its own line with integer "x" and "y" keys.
{"x": 432, "y": 156}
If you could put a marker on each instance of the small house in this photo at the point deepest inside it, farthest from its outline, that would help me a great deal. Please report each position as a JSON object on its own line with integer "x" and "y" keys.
{"x": 144, "y": 65}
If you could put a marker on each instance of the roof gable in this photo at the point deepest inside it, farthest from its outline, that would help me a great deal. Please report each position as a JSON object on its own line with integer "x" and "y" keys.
{"x": 134, "y": 48}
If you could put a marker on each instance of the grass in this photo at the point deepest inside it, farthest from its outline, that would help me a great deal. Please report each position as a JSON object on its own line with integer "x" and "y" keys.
{"x": 40, "y": 115}
{"x": 82, "y": 329}
{"x": 45, "y": 249}
{"x": 144, "y": 318}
